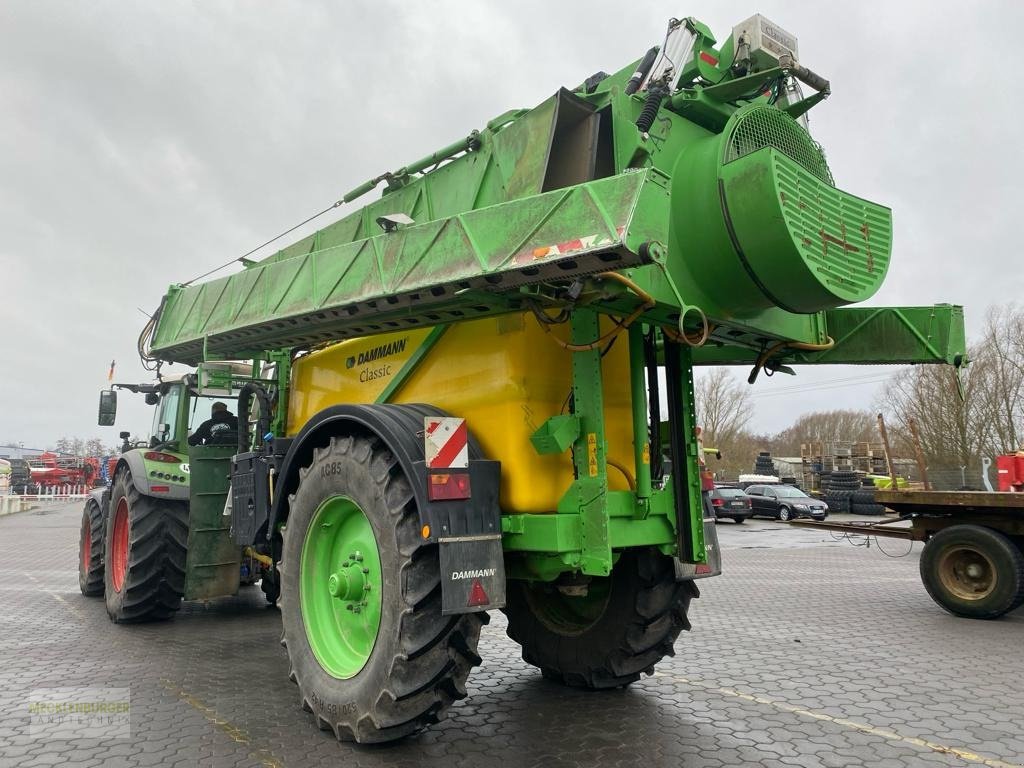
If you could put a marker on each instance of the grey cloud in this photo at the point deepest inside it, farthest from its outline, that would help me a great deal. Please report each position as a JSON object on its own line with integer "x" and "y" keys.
{"x": 145, "y": 143}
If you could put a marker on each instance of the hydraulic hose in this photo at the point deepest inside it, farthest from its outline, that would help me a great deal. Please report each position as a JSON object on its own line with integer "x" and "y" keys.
{"x": 649, "y": 302}
{"x": 624, "y": 471}
{"x": 646, "y": 298}
{"x": 767, "y": 354}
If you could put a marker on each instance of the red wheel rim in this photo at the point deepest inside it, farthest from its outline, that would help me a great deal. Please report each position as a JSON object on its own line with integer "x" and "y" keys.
{"x": 86, "y": 545}
{"x": 119, "y": 557}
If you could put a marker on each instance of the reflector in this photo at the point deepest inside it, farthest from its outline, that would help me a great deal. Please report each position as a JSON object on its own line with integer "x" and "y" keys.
{"x": 448, "y": 486}
{"x": 477, "y": 596}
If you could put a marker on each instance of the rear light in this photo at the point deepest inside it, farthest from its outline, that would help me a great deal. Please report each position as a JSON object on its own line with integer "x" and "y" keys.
{"x": 449, "y": 486}
{"x": 702, "y": 568}
{"x": 160, "y": 488}
{"x": 717, "y": 502}
{"x": 159, "y": 456}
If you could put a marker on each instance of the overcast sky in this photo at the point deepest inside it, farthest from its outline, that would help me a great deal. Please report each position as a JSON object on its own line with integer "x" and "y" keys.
{"x": 144, "y": 143}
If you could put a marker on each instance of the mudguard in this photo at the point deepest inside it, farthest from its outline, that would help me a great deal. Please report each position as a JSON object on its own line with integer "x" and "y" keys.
{"x": 469, "y": 534}
{"x": 101, "y": 496}
{"x": 134, "y": 462}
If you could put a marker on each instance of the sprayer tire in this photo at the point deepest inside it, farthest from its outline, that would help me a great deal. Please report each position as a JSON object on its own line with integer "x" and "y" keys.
{"x": 152, "y": 580}
{"x": 637, "y": 626}
{"x": 90, "y": 550}
{"x": 419, "y": 660}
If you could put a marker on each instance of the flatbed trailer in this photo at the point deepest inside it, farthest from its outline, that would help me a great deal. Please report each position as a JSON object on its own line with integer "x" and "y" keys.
{"x": 973, "y": 559}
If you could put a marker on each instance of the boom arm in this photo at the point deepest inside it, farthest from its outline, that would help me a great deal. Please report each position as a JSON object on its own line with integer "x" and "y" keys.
{"x": 700, "y": 189}
{"x": 870, "y": 336}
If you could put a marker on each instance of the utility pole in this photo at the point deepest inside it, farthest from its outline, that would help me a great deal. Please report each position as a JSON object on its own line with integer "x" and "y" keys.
{"x": 888, "y": 451}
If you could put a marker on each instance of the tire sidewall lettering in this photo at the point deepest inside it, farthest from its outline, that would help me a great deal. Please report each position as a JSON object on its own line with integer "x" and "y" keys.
{"x": 345, "y": 476}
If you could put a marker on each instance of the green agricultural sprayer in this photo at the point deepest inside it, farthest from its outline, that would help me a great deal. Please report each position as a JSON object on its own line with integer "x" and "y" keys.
{"x": 476, "y": 392}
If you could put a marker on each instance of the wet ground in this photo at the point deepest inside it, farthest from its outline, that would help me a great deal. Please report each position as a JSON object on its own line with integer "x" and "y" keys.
{"x": 808, "y": 651}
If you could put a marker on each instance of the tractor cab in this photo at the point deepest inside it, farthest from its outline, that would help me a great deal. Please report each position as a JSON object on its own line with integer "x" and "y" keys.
{"x": 181, "y": 410}
{"x": 183, "y": 402}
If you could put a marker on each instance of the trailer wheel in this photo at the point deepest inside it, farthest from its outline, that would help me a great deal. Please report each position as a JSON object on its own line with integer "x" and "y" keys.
{"x": 624, "y": 625}
{"x": 974, "y": 572}
{"x": 372, "y": 655}
{"x": 90, "y": 551}
{"x": 146, "y": 543}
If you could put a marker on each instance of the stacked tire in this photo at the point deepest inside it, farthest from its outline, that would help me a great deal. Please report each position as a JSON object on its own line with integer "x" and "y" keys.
{"x": 763, "y": 464}
{"x": 863, "y": 503}
{"x": 847, "y": 492}
{"x": 842, "y": 484}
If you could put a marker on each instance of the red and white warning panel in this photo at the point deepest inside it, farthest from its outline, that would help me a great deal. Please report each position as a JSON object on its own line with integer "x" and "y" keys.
{"x": 446, "y": 442}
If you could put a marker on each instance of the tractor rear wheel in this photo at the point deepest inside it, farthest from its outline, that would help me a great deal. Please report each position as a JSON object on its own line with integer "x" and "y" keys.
{"x": 624, "y": 624}
{"x": 360, "y": 603}
{"x": 146, "y": 543}
{"x": 90, "y": 551}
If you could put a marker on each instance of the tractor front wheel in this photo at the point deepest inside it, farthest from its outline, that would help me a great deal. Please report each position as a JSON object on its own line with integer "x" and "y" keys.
{"x": 623, "y": 625}
{"x": 360, "y": 603}
{"x": 146, "y": 544}
{"x": 90, "y": 551}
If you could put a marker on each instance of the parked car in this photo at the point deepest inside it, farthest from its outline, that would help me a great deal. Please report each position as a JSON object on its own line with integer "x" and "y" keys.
{"x": 784, "y": 502}
{"x": 730, "y": 504}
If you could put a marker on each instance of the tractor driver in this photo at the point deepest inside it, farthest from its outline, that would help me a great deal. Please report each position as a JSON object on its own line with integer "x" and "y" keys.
{"x": 221, "y": 427}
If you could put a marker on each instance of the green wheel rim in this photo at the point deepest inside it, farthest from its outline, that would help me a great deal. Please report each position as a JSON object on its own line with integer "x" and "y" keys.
{"x": 569, "y": 615}
{"x": 340, "y": 587}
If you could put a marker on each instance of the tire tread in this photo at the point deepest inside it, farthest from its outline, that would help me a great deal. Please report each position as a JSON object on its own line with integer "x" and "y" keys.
{"x": 433, "y": 654}
{"x": 157, "y": 549}
{"x": 656, "y": 615}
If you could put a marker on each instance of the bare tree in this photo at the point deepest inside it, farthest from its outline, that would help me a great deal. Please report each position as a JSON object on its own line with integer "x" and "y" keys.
{"x": 724, "y": 408}
{"x": 72, "y": 446}
{"x": 966, "y": 415}
{"x": 77, "y": 446}
{"x": 1000, "y": 390}
{"x": 825, "y": 426}
{"x": 94, "y": 447}
{"x": 946, "y": 423}
{"x": 724, "y": 405}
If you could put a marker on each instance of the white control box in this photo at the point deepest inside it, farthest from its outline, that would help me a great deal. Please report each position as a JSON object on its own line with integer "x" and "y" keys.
{"x": 767, "y": 40}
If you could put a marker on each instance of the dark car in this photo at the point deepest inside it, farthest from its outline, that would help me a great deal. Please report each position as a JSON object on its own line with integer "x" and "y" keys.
{"x": 730, "y": 504}
{"x": 784, "y": 502}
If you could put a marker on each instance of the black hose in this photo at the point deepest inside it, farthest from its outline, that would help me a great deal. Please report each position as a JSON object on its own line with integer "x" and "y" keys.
{"x": 650, "y": 111}
{"x": 641, "y": 71}
{"x": 263, "y": 424}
